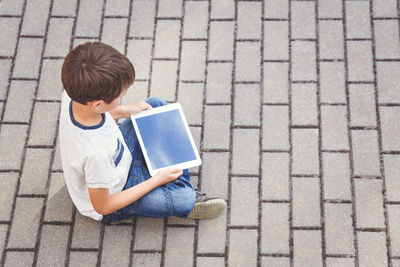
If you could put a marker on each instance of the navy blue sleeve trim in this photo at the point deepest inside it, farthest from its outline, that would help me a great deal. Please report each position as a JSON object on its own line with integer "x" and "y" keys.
{"x": 118, "y": 159}
{"x": 77, "y": 124}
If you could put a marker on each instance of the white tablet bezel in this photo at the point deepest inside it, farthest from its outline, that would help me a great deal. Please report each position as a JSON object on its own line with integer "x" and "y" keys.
{"x": 162, "y": 109}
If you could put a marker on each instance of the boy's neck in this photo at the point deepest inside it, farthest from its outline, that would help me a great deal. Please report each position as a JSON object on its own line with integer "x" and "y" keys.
{"x": 84, "y": 115}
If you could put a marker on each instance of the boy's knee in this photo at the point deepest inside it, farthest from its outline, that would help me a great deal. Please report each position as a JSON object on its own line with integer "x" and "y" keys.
{"x": 185, "y": 203}
{"x": 156, "y": 102}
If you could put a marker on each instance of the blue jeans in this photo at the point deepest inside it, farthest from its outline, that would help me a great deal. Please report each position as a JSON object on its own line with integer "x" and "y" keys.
{"x": 173, "y": 199}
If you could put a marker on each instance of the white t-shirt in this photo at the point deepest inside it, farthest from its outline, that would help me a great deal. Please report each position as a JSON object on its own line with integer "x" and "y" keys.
{"x": 92, "y": 157}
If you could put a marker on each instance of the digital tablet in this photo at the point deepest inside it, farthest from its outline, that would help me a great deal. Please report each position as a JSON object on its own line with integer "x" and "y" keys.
{"x": 165, "y": 138}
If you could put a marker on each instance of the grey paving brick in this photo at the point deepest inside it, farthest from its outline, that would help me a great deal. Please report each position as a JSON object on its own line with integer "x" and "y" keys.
{"x": 114, "y": 33}
{"x": 307, "y": 248}
{"x": 146, "y": 260}
{"x": 169, "y": 8}
{"x": 8, "y": 39}
{"x": 12, "y": 141}
{"x": 372, "y": 249}
{"x": 303, "y": 61}
{"x": 275, "y": 228}
{"x": 276, "y": 77}
{"x": 340, "y": 262}
{"x": 210, "y": 261}
{"x": 221, "y": 40}
{"x": 50, "y": 85}
{"x": 303, "y": 19}
{"x": 11, "y": 7}
{"x": 305, "y": 151}
{"x": 331, "y": 39}
{"x": 80, "y": 41}
{"x": 369, "y": 203}
{"x": 195, "y": 20}
{"x": 275, "y": 176}
{"x": 167, "y": 39}
{"x": 244, "y": 200}
{"x": 249, "y": 20}
{"x": 391, "y": 163}
{"x": 276, "y": 9}
{"x": 117, "y": 8}
{"x": 28, "y": 58}
{"x": 358, "y": 23}
{"x": 64, "y": 8}
{"x": 216, "y": 127}
{"x": 193, "y": 60}
{"x": 339, "y": 229}
{"x": 190, "y": 96}
{"x": 212, "y": 234}
{"x": 215, "y": 173}
{"x": 359, "y": 55}
{"x": 3, "y": 233}
{"x": 362, "y": 105}
{"x": 334, "y": 127}
{"x": 35, "y": 17}
{"x": 116, "y": 245}
{"x": 365, "y": 153}
{"x": 77, "y": 259}
{"x": 275, "y": 127}
{"x": 20, "y": 101}
{"x": 148, "y": 235}
{"x": 178, "y": 221}
{"x": 19, "y": 259}
{"x": 136, "y": 93}
{"x": 219, "y": 82}
{"x": 163, "y": 79}
{"x": 388, "y": 80}
{"x": 390, "y": 126}
{"x": 89, "y": 18}
{"x": 247, "y": 112}
{"x": 142, "y": 23}
{"x": 59, "y": 37}
{"x": 222, "y": 9}
{"x": 394, "y": 229}
{"x": 304, "y": 104}
{"x": 387, "y": 40}
{"x": 245, "y": 151}
{"x": 276, "y": 40}
{"x": 139, "y": 52}
{"x": 385, "y": 8}
{"x": 59, "y": 205}
{"x": 1, "y": 108}
{"x": 332, "y": 82}
{"x": 44, "y": 123}
{"x": 330, "y": 8}
{"x": 5, "y": 67}
{"x": 275, "y": 262}
{"x": 53, "y": 245}
{"x": 306, "y": 197}
{"x": 179, "y": 247}
{"x": 336, "y": 176}
{"x": 25, "y": 223}
{"x": 242, "y": 248}
{"x": 395, "y": 263}
{"x": 7, "y": 191}
{"x": 86, "y": 233}
{"x": 248, "y": 61}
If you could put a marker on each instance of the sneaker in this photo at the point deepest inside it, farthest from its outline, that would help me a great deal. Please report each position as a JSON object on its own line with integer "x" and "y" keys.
{"x": 206, "y": 207}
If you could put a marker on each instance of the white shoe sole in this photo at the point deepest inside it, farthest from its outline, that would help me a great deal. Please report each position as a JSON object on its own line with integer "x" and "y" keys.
{"x": 208, "y": 209}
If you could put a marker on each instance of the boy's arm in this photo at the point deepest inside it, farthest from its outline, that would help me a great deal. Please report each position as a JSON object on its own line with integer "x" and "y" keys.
{"x": 125, "y": 111}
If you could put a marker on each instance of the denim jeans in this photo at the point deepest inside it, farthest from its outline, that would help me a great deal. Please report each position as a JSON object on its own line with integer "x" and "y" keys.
{"x": 173, "y": 199}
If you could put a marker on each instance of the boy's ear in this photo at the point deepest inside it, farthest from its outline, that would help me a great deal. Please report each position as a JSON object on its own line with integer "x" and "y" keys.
{"x": 95, "y": 104}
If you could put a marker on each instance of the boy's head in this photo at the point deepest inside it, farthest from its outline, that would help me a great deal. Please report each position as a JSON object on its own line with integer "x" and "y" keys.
{"x": 96, "y": 71}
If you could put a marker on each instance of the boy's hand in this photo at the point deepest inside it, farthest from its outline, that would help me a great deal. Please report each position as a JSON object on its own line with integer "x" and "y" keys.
{"x": 135, "y": 108}
{"x": 167, "y": 176}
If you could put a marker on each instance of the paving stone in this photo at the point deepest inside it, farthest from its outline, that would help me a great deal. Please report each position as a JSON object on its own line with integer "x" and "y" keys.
{"x": 221, "y": 40}
{"x": 388, "y": 80}
{"x": 336, "y": 176}
{"x": 179, "y": 247}
{"x": 193, "y": 60}
{"x": 77, "y": 259}
{"x": 369, "y": 203}
{"x": 362, "y": 105}
{"x": 5, "y": 67}
{"x": 215, "y": 173}
{"x": 275, "y": 228}
{"x": 307, "y": 248}
{"x": 28, "y": 58}
{"x": 304, "y": 104}
{"x": 189, "y": 96}
{"x": 372, "y": 249}
{"x": 303, "y": 19}
{"x": 210, "y": 261}
{"x": 390, "y": 126}
{"x": 248, "y": 65}
{"x": 80, "y": 41}
{"x": 222, "y": 9}
{"x": 394, "y": 229}
{"x": 44, "y": 123}
{"x": 1, "y": 108}
{"x": 246, "y": 150}
{"x": 365, "y": 153}
{"x": 116, "y": 245}
{"x": 387, "y": 40}
{"x": 142, "y": 23}
{"x": 392, "y": 172}
{"x": 167, "y": 39}
{"x": 3, "y": 233}
{"x": 212, "y": 234}
{"x": 195, "y": 20}
{"x": 57, "y": 157}
{"x": 25, "y": 223}
{"x": 139, "y": 52}
{"x": 330, "y": 8}
{"x": 303, "y": 61}
{"x": 11, "y": 7}
{"x": 19, "y": 259}
{"x": 359, "y": 54}
{"x": 7, "y": 191}
{"x": 358, "y": 23}
{"x": 59, "y": 37}
{"x": 219, "y": 82}
{"x": 53, "y": 245}
{"x": 163, "y": 80}
{"x": 331, "y": 39}
{"x": 247, "y": 112}
{"x": 276, "y": 9}
{"x": 169, "y": 8}
{"x": 334, "y": 127}
{"x": 136, "y": 93}
{"x": 8, "y": 39}
{"x": 276, "y": 77}
{"x": 12, "y": 141}
{"x": 244, "y": 200}
{"x": 275, "y": 262}
{"x": 117, "y": 8}
{"x": 64, "y": 8}
{"x": 384, "y": 8}
{"x": 275, "y": 176}
{"x": 305, "y": 151}
{"x": 395, "y": 263}
{"x": 50, "y": 85}
{"x": 86, "y": 233}
{"x": 275, "y": 127}
{"x": 242, "y": 248}
{"x": 59, "y": 205}
{"x": 332, "y": 82}
{"x": 89, "y": 18}
{"x": 20, "y": 101}
{"x": 148, "y": 235}
{"x": 249, "y": 20}
{"x": 146, "y": 259}
{"x": 276, "y": 40}
{"x": 178, "y": 221}
{"x": 340, "y": 262}
{"x": 306, "y": 198}
{"x": 339, "y": 229}
{"x": 35, "y": 17}
{"x": 217, "y": 127}
{"x": 114, "y": 33}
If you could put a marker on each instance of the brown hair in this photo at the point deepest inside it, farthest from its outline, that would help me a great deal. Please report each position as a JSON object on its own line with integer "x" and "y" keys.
{"x": 96, "y": 71}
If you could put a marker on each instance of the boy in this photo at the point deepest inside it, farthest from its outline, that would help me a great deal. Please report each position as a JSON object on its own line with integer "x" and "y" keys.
{"x": 104, "y": 168}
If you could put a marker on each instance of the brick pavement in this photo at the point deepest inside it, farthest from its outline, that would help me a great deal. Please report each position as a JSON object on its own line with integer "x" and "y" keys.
{"x": 294, "y": 105}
